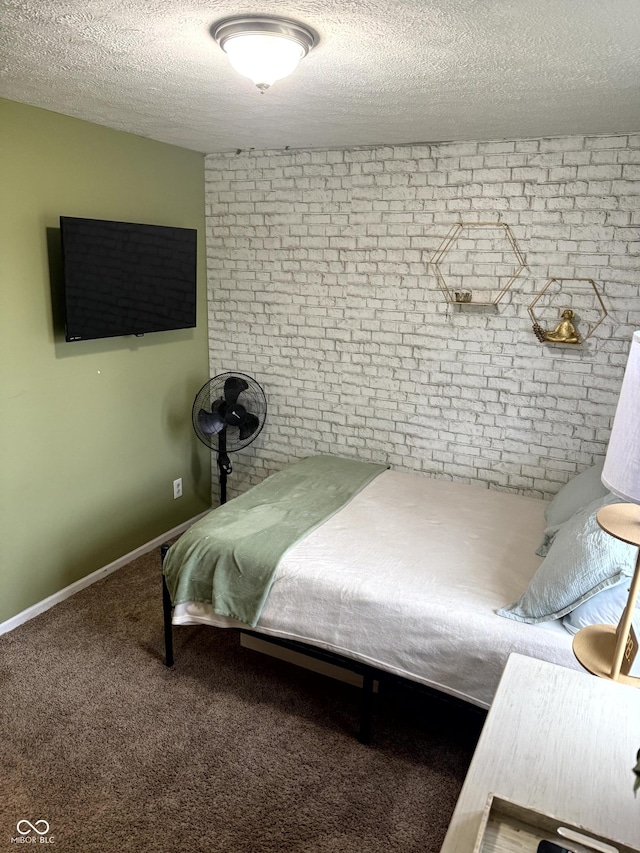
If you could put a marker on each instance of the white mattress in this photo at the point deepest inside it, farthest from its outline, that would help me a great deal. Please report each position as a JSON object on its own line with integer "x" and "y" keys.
{"x": 407, "y": 577}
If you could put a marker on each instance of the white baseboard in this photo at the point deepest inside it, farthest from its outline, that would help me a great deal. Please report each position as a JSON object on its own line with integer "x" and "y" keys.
{"x": 76, "y": 586}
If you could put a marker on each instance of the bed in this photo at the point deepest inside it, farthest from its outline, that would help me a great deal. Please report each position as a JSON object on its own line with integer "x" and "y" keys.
{"x": 407, "y": 578}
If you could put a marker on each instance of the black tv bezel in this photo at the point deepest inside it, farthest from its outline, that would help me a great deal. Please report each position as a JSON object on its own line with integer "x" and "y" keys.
{"x": 140, "y": 330}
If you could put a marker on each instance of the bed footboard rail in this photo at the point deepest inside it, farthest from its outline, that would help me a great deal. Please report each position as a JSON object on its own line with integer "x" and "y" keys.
{"x": 167, "y": 610}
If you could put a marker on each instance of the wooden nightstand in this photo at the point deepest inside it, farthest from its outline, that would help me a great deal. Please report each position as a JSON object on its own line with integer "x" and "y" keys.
{"x": 558, "y": 741}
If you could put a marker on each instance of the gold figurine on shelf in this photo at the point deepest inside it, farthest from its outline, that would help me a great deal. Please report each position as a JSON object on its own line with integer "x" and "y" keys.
{"x": 564, "y": 333}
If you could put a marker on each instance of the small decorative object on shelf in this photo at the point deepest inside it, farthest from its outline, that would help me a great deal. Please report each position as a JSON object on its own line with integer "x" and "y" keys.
{"x": 484, "y": 252}
{"x": 588, "y": 310}
{"x": 564, "y": 333}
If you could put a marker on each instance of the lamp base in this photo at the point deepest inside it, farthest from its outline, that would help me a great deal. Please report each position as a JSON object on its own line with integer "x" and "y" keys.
{"x": 595, "y": 648}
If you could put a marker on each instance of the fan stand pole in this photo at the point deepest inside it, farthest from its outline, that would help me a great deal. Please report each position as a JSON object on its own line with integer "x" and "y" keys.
{"x": 224, "y": 466}
{"x": 223, "y": 485}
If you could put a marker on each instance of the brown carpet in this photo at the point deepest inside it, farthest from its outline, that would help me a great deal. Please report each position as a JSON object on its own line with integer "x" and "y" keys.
{"x": 229, "y": 751}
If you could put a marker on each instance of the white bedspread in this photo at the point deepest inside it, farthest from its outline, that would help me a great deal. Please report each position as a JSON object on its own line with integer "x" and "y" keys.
{"x": 407, "y": 577}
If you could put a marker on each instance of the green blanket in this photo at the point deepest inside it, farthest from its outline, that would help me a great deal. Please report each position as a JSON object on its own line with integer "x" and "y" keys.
{"x": 229, "y": 558}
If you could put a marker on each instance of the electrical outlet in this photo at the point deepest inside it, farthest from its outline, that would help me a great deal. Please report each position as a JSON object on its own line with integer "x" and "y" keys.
{"x": 177, "y": 488}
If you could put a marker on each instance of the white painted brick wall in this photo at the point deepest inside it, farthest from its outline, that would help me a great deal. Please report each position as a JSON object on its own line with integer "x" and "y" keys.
{"x": 320, "y": 287}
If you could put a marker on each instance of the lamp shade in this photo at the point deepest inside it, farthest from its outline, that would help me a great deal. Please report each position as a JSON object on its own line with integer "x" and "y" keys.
{"x": 621, "y": 472}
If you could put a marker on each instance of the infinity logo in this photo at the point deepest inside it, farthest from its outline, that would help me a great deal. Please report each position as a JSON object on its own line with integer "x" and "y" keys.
{"x": 33, "y": 827}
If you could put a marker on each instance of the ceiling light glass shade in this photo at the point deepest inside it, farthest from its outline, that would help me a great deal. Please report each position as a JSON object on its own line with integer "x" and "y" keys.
{"x": 263, "y": 59}
{"x": 264, "y": 49}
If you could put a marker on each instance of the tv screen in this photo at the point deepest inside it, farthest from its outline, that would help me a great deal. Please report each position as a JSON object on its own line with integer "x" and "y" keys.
{"x": 124, "y": 278}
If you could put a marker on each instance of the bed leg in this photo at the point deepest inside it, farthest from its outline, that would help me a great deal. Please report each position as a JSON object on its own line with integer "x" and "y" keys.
{"x": 366, "y": 710}
{"x": 166, "y": 612}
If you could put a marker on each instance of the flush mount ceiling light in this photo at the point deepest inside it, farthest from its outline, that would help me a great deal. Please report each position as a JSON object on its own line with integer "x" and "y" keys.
{"x": 263, "y": 49}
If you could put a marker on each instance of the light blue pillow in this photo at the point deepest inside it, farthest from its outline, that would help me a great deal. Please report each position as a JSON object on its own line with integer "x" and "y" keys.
{"x": 577, "y": 493}
{"x": 604, "y": 608}
{"x": 548, "y": 535}
{"x": 574, "y": 495}
{"x": 582, "y": 560}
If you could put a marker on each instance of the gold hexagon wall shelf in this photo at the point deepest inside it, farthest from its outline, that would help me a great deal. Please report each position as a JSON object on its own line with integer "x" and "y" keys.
{"x": 491, "y": 260}
{"x": 577, "y": 309}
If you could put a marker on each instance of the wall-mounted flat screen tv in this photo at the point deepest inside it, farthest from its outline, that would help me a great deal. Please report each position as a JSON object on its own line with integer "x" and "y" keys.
{"x": 124, "y": 278}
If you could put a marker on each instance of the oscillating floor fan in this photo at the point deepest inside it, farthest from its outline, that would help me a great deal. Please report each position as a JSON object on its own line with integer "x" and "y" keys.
{"x": 228, "y": 413}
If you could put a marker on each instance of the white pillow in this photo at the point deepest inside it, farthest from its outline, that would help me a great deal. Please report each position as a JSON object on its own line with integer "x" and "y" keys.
{"x": 582, "y": 560}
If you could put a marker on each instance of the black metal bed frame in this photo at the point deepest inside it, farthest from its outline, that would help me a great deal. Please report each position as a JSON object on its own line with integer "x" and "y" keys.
{"x": 369, "y": 674}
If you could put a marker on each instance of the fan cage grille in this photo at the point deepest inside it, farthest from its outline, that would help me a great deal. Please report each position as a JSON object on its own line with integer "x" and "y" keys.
{"x": 252, "y": 398}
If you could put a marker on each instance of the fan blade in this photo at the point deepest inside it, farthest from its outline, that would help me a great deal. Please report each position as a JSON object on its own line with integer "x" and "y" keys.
{"x": 249, "y": 425}
{"x": 210, "y": 422}
{"x": 233, "y": 387}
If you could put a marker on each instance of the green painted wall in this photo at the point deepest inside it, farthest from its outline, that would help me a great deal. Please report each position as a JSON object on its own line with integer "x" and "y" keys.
{"x": 92, "y": 433}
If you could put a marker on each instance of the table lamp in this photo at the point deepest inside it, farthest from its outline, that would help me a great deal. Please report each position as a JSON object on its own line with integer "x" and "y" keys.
{"x": 600, "y": 648}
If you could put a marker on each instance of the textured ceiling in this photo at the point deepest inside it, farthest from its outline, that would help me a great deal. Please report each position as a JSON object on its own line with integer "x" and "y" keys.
{"x": 384, "y": 71}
